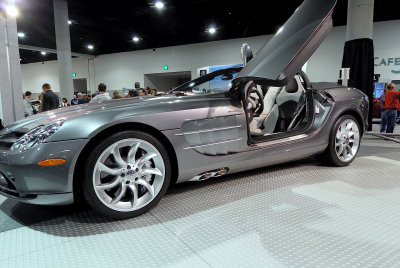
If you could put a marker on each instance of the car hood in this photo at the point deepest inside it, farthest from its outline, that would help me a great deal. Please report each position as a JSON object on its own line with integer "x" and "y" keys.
{"x": 293, "y": 44}
{"x": 31, "y": 122}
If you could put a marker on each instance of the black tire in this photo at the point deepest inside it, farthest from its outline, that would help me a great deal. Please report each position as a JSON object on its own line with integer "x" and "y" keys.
{"x": 88, "y": 190}
{"x": 330, "y": 156}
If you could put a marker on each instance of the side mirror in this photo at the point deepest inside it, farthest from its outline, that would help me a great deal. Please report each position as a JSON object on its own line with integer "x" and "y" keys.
{"x": 247, "y": 53}
{"x": 227, "y": 77}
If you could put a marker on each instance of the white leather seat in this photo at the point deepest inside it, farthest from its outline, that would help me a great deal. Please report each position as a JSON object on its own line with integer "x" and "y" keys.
{"x": 274, "y": 98}
{"x": 269, "y": 116}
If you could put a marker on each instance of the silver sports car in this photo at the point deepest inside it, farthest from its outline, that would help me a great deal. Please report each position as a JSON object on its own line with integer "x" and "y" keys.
{"x": 121, "y": 156}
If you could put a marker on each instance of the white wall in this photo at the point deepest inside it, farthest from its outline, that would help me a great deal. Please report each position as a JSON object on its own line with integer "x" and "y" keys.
{"x": 34, "y": 75}
{"x": 121, "y": 70}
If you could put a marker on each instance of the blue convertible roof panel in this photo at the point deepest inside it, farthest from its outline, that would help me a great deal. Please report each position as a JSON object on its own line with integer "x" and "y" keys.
{"x": 294, "y": 43}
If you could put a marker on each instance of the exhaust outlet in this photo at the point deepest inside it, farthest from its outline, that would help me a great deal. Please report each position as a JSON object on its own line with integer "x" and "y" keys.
{"x": 210, "y": 174}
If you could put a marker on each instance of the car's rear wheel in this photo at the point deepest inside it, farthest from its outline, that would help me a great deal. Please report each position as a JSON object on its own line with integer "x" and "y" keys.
{"x": 344, "y": 142}
{"x": 126, "y": 175}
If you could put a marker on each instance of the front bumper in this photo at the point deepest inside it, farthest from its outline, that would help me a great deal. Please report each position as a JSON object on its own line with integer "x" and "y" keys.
{"x": 24, "y": 180}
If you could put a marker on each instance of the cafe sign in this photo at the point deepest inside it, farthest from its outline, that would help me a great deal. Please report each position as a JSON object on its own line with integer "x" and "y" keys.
{"x": 394, "y": 63}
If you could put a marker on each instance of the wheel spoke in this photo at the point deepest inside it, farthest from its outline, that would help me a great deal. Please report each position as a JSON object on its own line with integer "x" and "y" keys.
{"x": 342, "y": 128}
{"x": 345, "y": 152}
{"x": 110, "y": 171}
{"x": 349, "y": 126}
{"x": 121, "y": 193}
{"x": 110, "y": 185}
{"x": 351, "y": 134}
{"x": 145, "y": 158}
{"x": 349, "y": 150}
{"x": 340, "y": 151}
{"x": 132, "y": 152}
{"x": 153, "y": 171}
{"x": 118, "y": 159}
{"x": 135, "y": 194}
{"x": 338, "y": 134}
{"x": 146, "y": 184}
{"x": 338, "y": 142}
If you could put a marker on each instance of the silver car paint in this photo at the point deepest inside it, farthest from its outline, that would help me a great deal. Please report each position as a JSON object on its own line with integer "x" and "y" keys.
{"x": 206, "y": 132}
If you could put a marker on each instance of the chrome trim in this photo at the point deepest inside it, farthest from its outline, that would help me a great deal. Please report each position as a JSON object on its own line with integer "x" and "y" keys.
{"x": 207, "y": 130}
{"x": 288, "y": 139}
{"x": 211, "y": 144}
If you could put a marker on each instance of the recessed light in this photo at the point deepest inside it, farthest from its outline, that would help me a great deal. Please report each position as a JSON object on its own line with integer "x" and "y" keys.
{"x": 12, "y": 10}
{"x": 136, "y": 39}
{"x": 212, "y": 30}
{"x": 90, "y": 46}
{"x": 43, "y": 53}
{"x": 159, "y": 5}
{"x": 69, "y": 22}
{"x": 21, "y": 35}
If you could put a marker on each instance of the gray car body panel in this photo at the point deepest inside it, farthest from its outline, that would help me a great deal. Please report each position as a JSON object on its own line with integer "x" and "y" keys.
{"x": 196, "y": 154}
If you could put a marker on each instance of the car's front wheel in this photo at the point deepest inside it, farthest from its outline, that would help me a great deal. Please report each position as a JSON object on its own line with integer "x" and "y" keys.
{"x": 126, "y": 174}
{"x": 344, "y": 142}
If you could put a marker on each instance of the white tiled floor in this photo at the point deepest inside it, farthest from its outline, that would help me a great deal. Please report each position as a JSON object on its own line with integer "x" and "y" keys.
{"x": 295, "y": 215}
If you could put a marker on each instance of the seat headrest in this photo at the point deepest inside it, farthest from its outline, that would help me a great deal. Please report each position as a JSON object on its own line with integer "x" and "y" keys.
{"x": 292, "y": 86}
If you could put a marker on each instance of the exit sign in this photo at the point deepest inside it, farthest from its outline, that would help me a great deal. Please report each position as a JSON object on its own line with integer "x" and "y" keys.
{"x": 165, "y": 67}
{"x": 73, "y": 74}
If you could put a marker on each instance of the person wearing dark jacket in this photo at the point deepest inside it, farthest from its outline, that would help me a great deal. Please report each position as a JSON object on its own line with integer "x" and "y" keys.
{"x": 50, "y": 99}
{"x": 391, "y": 107}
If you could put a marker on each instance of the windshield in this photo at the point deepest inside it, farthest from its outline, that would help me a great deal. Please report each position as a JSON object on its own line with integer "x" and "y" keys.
{"x": 215, "y": 82}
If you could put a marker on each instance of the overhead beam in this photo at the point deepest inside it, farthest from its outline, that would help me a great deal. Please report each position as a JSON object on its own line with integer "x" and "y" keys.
{"x": 54, "y": 51}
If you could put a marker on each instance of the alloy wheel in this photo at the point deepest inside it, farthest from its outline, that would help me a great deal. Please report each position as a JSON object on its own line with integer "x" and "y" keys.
{"x": 128, "y": 175}
{"x": 347, "y": 140}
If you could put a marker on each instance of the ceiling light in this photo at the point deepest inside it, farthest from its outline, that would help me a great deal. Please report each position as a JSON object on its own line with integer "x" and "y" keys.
{"x": 90, "y": 46}
{"x": 43, "y": 53}
{"x": 12, "y": 10}
{"x": 159, "y": 5}
{"x": 212, "y": 30}
{"x": 69, "y": 22}
{"x": 135, "y": 39}
{"x": 21, "y": 35}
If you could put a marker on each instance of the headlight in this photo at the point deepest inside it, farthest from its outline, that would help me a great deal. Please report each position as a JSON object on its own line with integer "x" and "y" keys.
{"x": 35, "y": 136}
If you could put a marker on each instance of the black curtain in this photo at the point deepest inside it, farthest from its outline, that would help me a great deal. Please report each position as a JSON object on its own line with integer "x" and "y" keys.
{"x": 359, "y": 57}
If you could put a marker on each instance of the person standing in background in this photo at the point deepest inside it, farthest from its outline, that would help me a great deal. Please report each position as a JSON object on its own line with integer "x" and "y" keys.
{"x": 116, "y": 95}
{"x": 74, "y": 100}
{"x": 28, "y": 109}
{"x": 383, "y": 112}
{"x": 147, "y": 90}
{"x": 103, "y": 96}
{"x": 391, "y": 107}
{"x": 50, "y": 99}
{"x": 64, "y": 103}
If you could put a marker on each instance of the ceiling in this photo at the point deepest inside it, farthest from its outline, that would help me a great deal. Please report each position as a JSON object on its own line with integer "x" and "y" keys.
{"x": 110, "y": 25}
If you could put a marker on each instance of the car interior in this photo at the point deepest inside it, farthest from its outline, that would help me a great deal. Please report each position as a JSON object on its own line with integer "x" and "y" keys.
{"x": 277, "y": 109}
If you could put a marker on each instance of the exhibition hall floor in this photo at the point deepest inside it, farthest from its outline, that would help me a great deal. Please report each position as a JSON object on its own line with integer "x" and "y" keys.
{"x": 301, "y": 214}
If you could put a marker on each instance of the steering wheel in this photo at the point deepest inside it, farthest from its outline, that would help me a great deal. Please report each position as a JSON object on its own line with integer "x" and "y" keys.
{"x": 254, "y": 100}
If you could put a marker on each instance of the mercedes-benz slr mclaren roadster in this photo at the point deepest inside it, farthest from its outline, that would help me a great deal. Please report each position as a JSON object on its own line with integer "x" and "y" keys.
{"x": 121, "y": 156}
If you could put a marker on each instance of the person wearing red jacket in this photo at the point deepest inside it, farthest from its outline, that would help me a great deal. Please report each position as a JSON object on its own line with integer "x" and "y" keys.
{"x": 391, "y": 107}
